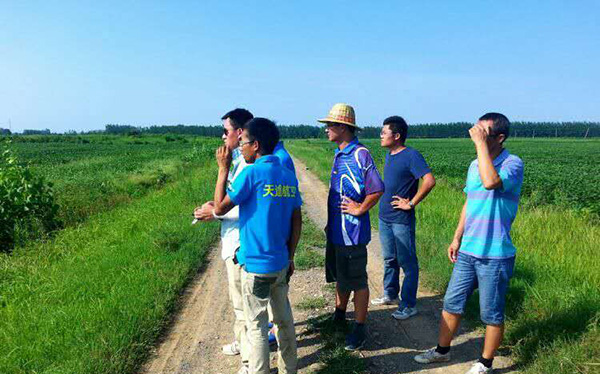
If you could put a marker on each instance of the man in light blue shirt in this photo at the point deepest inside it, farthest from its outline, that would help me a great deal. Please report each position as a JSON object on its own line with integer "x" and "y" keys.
{"x": 230, "y": 234}
{"x": 268, "y": 196}
{"x": 482, "y": 250}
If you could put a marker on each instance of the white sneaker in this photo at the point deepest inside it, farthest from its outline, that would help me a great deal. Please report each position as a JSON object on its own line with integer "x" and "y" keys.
{"x": 232, "y": 349}
{"x": 479, "y": 368}
{"x": 384, "y": 301}
{"x": 431, "y": 356}
{"x": 405, "y": 313}
{"x": 244, "y": 370}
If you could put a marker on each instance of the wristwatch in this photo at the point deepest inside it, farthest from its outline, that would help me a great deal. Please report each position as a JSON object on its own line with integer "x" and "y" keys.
{"x": 411, "y": 205}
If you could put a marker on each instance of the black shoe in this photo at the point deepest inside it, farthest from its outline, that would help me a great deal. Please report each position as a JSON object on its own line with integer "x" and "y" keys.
{"x": 356, "y": 340}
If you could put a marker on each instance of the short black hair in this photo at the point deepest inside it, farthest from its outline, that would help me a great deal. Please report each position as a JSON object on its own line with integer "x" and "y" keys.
{"x": 265, "y": 132}
{"x": 238, "y": 117}
{"x": 398, "y": 126}
{"x": 500, "y": 124}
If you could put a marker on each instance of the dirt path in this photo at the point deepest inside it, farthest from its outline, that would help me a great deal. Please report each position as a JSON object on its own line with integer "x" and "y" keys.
{"x": 193, "y": 343}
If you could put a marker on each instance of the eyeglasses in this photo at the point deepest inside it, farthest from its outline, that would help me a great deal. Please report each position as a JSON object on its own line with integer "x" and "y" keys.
{"x": 241, "y": 144}
{"x": 333, "y": 124}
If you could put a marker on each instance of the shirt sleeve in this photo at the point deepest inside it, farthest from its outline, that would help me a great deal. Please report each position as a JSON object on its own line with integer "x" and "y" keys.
{"x": 418, "y": 165}
{"x": 372, "y": 179}
{"x": 511, "y": 174}
{"x": 467, "y": 186}
{"x": 241, "y": 188}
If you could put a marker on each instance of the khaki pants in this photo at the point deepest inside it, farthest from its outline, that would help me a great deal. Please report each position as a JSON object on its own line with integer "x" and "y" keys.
{"x": 234, "y": 278}
{"x": 258, "y": 291}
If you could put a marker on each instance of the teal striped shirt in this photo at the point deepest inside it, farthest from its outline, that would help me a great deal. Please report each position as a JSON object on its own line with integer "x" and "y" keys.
{"x": 490, "y": 213}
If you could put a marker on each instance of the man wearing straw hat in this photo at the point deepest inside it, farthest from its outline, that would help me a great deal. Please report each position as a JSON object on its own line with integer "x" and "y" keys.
{"x": 355, "y": 187}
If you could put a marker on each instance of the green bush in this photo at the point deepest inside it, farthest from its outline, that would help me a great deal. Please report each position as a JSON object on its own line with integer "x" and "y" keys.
{"x": 27, "y": 206}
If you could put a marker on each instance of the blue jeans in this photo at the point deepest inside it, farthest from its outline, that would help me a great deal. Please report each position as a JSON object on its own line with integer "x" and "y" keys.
{"x": 491, "y": 276}
{"x": 399, "y": 251}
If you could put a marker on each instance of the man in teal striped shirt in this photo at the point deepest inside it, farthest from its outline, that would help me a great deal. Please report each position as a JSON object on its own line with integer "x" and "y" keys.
{"x": 482, "y": 250}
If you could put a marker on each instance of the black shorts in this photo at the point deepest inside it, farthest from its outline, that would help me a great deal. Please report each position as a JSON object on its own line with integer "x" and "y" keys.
{"x": 346, "y": 265}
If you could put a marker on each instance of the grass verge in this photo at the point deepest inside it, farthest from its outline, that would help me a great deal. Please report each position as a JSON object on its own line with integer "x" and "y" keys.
{"x": 95, "y": 299}
{"x": 310, "y": 251}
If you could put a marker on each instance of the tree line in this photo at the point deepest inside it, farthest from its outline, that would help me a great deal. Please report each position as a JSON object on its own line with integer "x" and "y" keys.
{"x": 427, "y": 130}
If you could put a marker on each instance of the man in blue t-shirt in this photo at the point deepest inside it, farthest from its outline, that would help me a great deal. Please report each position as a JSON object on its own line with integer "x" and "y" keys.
{"x": 404, "y": 167}
{"x": 284, "y": 157}
{"x": 482, "y": 250}
{"x": 270, "y": 223}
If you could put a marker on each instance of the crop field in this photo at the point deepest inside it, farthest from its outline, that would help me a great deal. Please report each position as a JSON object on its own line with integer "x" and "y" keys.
{"x": 553, "y": 306}
{"x": 94, "y": 296}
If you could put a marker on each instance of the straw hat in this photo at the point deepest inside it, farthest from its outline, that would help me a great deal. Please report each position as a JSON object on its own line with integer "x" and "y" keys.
{"x": 341, "y": 113}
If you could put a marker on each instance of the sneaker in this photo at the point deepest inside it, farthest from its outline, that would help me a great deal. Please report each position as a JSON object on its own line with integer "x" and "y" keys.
{"x": 405, "y": 313}
{"x": 272, "y": 338}
{"x": 431, "y": 356}
{"x": 384, "y": 301}
{"x": 356, "y": 340}
{"x": 244, "y": 370}
{"x": 232, "y": 349}
{"x": 479, "y": 368}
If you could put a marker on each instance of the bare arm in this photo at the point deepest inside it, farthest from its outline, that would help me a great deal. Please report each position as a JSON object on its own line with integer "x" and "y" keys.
{"x": 350, "y": 206}
{"x": 294, "y": 239}
{"x": 456, "y": 241}
{"x": 427, "y": 184}
{"x": 295, "y": 234}
{"x": 489, "y": 176}
{"x": 223, "y": 203}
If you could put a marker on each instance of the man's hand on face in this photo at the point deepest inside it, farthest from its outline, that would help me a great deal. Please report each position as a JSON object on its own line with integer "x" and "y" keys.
{"x": 400, "y": 203}
{"x": 223, "y": 156}
{"x": 479, "y": 134}
{"x": 350, "y": 206}
{"x": 205, "y": 212}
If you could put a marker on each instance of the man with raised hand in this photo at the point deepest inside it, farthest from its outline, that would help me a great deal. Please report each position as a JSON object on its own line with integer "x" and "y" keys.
{"x": 230, "y": 236}
{"x": 355, "y": 188}
{"x": 482, "y": 251}
{"x": 404, "y": 167}
{"x": 267, "y": 193}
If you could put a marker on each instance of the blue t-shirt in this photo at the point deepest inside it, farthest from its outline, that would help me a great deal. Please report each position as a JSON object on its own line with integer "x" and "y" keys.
{"x": 267, "y": 194}
{"x": 401, "y": 176}
{"x": 490, "y": 213}
{"x": 355, "y": 176}
{"x": 284, "y": 157}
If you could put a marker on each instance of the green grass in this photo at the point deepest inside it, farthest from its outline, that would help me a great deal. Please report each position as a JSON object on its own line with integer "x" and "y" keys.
{"x": 334, "y": 359}
{"x": 310, "y": 303}
{"x": 95, "y": 299}
{"x": 553, "y": 305}
{"x": 310, "y": 251}
{"x": 107, "y": 172}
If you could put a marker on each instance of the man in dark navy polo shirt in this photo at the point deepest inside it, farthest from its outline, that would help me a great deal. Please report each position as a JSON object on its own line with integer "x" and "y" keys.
{"x": 270, "y": 224}
{"x": 404, "y": 167}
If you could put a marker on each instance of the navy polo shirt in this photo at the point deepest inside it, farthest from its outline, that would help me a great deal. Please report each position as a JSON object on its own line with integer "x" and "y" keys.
{"x": 267, "y": 194}
{"x": 401, "y": 176}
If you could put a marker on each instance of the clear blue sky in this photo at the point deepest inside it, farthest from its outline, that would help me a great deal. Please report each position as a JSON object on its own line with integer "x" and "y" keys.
{"x": 82, "y": 64}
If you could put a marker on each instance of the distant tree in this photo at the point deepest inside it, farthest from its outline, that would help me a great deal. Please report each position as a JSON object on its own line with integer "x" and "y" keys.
{"x": 5, "y": 132}
{"x": 37, "y": 132}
